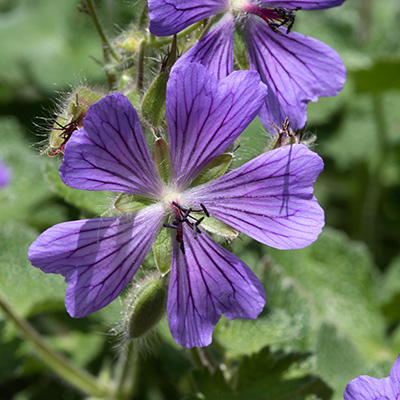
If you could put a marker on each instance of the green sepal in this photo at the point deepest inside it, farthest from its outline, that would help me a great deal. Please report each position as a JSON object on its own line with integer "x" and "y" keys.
{"x": 147, "y": 307}
{"x": 162, "y": 250}
{"x": 130, "y": 203}
{"x": 214, "y": 170}
{"x": 240, "y": 51}
{"x": 162, "y": 159}
{"x": 153, "y": 105}
{"x": 214, "y": 225}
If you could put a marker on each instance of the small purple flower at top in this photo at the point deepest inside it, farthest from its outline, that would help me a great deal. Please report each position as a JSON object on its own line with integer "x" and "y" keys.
{"x": 5, "y": 175}
{"x": 366, "y": 388}
{"x": 296, "y": 68}
{"x": 270, "y": 199}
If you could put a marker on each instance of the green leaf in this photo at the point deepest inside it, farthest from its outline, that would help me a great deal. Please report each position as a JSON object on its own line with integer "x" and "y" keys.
{"x": 97, "y": 202}
{"x": 338, "y": 275}
{"x": 286, "y": 319}
{"x": 129, "y": 203}
{"x": 28, "y": 197}
{"x": 162, "y": 250}
{"x": 264, "y": 376}
{"x": 214, "y": 170}
{"x": 26, "y": 288}
{"x": 338, "y": 360}
{"x": 246, "y": 337}
{"x": 279, "y": 375}
{"x": 285, "y": 322}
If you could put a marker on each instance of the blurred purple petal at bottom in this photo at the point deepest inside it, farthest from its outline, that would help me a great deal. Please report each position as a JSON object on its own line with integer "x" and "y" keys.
{"x": 367, "y": 388}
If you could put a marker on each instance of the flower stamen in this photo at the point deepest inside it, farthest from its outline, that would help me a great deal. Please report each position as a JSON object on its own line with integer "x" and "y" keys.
{"x": 274, "y": 17}
{"x": 182, "y": 215}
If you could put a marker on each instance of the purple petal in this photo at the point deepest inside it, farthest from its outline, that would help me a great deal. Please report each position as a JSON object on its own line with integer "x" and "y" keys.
{"x": 168, "y": 17}
{"x": 98, "y": 257}
{"x": 110, "y": 151}
{"x": 215, "y": 50}
{"x": 304, "y": 4}
{"x": 269, "y": 198}
{"x": 367, "y": 388}
{"x": 5, "y": 175}
{"x": 205, "y": 116}
{"x": 395, "y": 376}
{"x": 206, "y": 282}
{"x": 296, "y": 68}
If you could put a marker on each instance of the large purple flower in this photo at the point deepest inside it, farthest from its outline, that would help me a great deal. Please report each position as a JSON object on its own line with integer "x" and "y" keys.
{"x": 366, "y": 388}
{"x": 269, "y": 198}
{"x": 5, "y": 175}
{"x": 296, "y": 68}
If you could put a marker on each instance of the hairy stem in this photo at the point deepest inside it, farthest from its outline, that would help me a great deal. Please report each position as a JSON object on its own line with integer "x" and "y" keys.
{"x": 65, "y": 368}
{"x": 108, "y": 49}
{"x": 125, "y": 374}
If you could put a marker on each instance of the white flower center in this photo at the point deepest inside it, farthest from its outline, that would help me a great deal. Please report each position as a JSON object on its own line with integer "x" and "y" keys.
{"x": 170, "y": 195}
{"x": 239, "y": 5}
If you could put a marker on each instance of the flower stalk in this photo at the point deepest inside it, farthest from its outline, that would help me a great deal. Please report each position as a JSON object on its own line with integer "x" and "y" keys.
{"x": 108, "y": 49}
{"x": 64, "y": 367}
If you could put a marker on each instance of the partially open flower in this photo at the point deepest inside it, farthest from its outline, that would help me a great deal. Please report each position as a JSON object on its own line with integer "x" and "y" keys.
{"x": 172, "y": 203}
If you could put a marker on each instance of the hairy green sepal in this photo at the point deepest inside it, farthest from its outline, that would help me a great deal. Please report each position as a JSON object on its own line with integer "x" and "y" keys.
{"x": 153, "y": 105}
{"x": 240, "y": 50}
{"x": 214, "y": 170}
{"x": 162, "y": 159}
{"x": 146, "y": 308}
{"x": 129, "y": 203}
{"x": 214, "y": 225}
{"x": 162, "y": 250}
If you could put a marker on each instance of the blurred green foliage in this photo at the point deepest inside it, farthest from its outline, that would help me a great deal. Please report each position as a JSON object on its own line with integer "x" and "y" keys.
{"x": 332, "y": 309}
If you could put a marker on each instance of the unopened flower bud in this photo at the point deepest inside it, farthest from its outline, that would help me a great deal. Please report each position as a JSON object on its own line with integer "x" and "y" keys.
{"x": 146, "y": 306}
{"x": 71, "y": 117}
{"x": 286, "y": 136}
{"x": 129, "y": 44}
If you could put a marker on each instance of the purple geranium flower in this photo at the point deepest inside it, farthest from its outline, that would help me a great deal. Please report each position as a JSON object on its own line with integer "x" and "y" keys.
{"x": 366, "y": 388}
{"x": 269, "y": 198}
{"x": 5, "y": 175}
{"x": 296, "y": 68}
